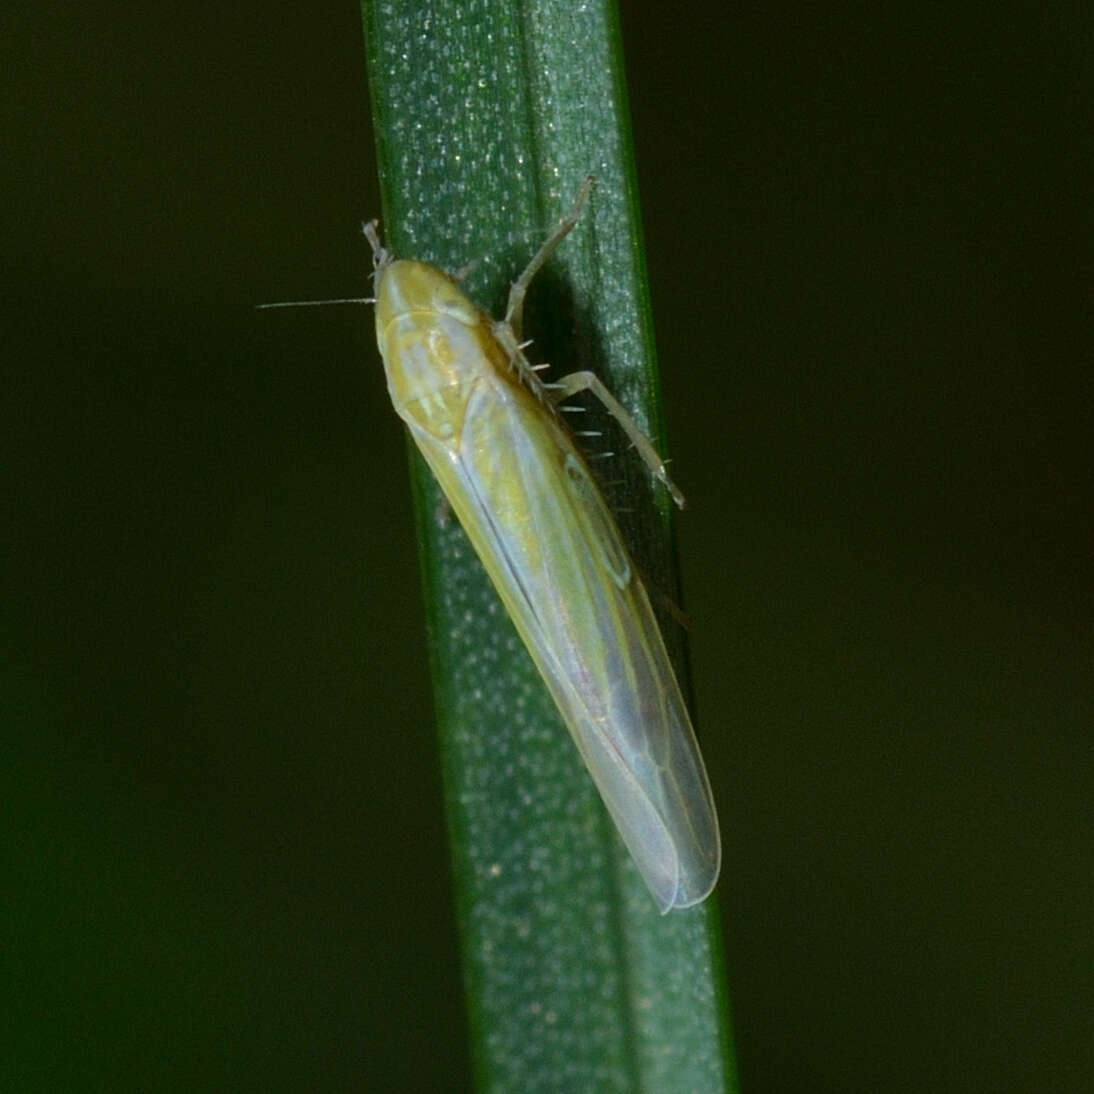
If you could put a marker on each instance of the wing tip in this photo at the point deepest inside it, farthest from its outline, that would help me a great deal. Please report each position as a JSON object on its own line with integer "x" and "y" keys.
{"x": 702, "y": 885}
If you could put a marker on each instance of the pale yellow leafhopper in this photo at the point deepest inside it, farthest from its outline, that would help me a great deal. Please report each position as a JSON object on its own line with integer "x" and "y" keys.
{"x": 514, "y": 476}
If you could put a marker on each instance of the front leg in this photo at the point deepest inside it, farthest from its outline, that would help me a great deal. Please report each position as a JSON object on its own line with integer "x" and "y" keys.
{"x": 514, "y": 314}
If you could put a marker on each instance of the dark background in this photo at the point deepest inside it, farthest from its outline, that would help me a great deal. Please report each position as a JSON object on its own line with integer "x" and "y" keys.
{"x": 223, "y": 862}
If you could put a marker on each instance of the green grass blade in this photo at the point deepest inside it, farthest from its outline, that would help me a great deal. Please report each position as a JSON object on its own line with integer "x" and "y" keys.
{"x": 487, "y": 118}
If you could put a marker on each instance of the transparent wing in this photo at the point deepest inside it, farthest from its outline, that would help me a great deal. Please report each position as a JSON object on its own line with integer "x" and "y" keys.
{"x": 552, "y": 549}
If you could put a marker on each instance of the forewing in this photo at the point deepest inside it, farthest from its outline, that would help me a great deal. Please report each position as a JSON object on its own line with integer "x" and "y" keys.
{"x": 552, "y": 549}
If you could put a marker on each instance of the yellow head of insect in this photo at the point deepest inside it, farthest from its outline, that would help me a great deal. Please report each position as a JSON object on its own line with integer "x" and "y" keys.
{"x": 433, "y": 340}
{"x": 407, "y": 287}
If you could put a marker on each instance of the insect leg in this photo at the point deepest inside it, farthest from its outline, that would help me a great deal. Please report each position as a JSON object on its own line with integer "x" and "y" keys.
{"x": 514, "y": 314}
{"x": 381, "y": 256}
{"x": 577, "y": 382}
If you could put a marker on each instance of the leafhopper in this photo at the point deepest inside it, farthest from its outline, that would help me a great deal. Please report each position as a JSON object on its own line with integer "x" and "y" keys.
{"x": 514, "y": 476}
